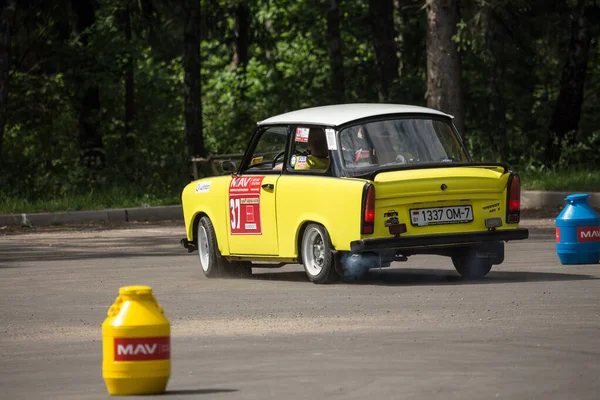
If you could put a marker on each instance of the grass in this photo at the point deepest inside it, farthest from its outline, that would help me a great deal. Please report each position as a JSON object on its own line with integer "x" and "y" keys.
{"x": 561, "y": 181}
{"x": 585, "y": 181}
{"x": 114, "y": 198}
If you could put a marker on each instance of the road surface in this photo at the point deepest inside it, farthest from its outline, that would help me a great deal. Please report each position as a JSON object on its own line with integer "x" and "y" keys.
{"x": 531, "y": 329}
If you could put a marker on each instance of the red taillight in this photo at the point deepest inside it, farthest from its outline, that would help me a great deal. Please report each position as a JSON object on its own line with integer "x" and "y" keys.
{"x": 368, "y": 214}
{"x": 513, "y": 212}
{"x": 514, "y": 197}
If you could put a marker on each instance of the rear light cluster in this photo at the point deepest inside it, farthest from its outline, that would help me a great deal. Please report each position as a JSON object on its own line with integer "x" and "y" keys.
{"x": 368, "y": 209}
{"x": 513, "y": 208}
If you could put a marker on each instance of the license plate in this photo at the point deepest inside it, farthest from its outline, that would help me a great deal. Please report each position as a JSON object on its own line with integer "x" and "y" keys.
{"x": 441, "y": 215}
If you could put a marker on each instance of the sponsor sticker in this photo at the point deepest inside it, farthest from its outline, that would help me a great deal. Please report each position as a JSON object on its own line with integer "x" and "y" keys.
{"x": 557, "y": 235}
{"x": 256, "y": 160}
{"x": 302, "y": 134}
{"x": 203, "y": 187}
{"x": 301, "y": 162}
{"x": 391, "y": 218}
{"x": 492, "y": 207}
{"x": 588, "y": 234}
{"x": 331, "y": 143}
{"x": 244, "y": 205}
{"x": 142, "y": 349}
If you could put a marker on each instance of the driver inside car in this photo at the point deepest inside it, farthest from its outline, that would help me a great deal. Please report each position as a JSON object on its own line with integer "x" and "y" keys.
{"x": 318, "y": 157}
{"x": 318, "y": 153}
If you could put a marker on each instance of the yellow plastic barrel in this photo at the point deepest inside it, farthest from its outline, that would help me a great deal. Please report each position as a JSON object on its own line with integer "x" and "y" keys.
{"x": 136, "y": 339}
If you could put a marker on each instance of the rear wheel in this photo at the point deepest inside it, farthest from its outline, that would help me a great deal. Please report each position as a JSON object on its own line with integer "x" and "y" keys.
{"x": 471, "y": 267}
{"x": 317, "y": 255}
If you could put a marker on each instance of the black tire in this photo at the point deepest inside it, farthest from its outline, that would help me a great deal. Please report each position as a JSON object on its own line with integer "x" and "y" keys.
{"x": 471, "y": 267}
{"x": 317, "y": 256}
{"x": 211, "y": 262}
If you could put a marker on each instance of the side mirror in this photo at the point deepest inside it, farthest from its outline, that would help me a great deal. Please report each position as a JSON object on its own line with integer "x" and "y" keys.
{"x": 228, "y": 166}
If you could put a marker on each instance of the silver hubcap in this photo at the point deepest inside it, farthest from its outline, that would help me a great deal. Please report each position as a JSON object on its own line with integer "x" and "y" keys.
{"x": 203, "y": 248}
{"x": 314, "y": 252}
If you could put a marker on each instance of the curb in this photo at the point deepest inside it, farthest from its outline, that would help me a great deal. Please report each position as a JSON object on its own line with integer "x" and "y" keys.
{"x": 530, "y": 200}
{"x": 141, "y": 214}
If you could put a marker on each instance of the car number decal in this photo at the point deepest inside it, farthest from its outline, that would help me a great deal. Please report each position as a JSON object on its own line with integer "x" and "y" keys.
{"x": 244, "y": 205}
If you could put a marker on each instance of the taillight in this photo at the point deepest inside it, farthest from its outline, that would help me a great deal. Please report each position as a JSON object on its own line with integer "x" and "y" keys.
{"x": 513, "y": 212}
{"x": 368, "y": 209}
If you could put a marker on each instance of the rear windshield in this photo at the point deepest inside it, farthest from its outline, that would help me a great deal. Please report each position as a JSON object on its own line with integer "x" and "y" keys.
{"x": 399, "y": 141}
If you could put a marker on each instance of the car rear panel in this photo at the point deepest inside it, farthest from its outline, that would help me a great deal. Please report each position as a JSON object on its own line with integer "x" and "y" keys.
{"x": 399, "y": 192}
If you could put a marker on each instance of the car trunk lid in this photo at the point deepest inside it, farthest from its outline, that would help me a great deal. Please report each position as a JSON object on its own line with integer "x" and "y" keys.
{"x": 465, "y": 195}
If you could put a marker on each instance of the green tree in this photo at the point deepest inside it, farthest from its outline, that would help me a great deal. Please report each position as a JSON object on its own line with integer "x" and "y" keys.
{"x": 567, "y": 112}
{"x": 192, "y": 88}
{"x": 7, "y": 20}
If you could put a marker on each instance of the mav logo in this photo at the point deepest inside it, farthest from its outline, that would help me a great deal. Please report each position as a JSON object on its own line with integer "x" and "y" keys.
{"x": 588, "y": 234}
{"x": 142, "y": 349}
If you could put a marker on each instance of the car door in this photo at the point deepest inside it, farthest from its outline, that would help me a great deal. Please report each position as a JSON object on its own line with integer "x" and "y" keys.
{"x": 251, "y": 205}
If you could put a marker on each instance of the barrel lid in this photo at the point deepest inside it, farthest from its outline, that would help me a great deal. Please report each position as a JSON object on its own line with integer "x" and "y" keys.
{"x": 577, "y": 197}
{"x": 135, "y": 290}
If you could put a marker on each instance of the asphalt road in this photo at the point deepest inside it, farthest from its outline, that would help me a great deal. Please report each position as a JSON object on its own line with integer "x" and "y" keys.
{"x": 530, "y": 330}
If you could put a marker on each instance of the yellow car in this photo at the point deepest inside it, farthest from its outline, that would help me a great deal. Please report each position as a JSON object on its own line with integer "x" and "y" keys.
{"x": 341, "y": 186}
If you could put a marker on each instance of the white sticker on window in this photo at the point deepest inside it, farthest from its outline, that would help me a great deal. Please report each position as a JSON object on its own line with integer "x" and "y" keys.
{"x": 331, "y": 143}
{"x": 203, "y": 187}
{"x": 302, "y": 135}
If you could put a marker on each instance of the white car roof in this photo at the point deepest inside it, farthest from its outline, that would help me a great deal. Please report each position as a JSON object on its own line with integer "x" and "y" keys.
{"x": 335, "y": 115}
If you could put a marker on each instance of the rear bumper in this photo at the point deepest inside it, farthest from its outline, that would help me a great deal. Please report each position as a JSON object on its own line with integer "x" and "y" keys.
{"x": 446, "y": 239}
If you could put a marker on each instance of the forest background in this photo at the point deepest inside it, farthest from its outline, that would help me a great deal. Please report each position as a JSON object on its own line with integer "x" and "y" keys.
{"x": 104, "y": 102}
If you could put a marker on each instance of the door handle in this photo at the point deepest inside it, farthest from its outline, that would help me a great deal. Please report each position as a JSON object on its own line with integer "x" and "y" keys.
{"x": 268, "y": 186}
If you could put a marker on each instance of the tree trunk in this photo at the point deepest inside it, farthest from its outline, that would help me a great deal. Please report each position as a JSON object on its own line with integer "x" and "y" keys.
{"x": 336, "y": 61}
{"x": 444, "y": 85}
{"x": 567, "y": 111}
{"x": 6, "y": 26}
{"x": 92, "y": 152}
{"x": 150, "y": 18}
{"x": 192, "y": 83}
{"x": 128, "y": 138}
{"x": 381, "y": 15}
{"x": 241, "y": 32}
{"x": 495, "y": 86}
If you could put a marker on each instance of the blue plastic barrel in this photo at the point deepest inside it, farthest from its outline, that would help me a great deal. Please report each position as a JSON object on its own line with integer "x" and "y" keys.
{"x": 578, "y": 232}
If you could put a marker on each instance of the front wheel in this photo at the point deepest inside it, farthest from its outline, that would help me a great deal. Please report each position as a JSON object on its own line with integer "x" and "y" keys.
{"x": 212, "y": 263}
{"x": 210, "y": 258}
{"x": 317, "y": 255}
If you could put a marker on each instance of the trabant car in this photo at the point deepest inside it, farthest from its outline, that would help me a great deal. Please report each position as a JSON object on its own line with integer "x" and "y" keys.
{"x": 332, "y": 186}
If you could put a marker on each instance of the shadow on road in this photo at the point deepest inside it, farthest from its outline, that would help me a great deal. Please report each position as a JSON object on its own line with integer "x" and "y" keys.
{"x": 410, "y": 277}
{"x": 89, "y": 248}
{"x": 195, "y": 391}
